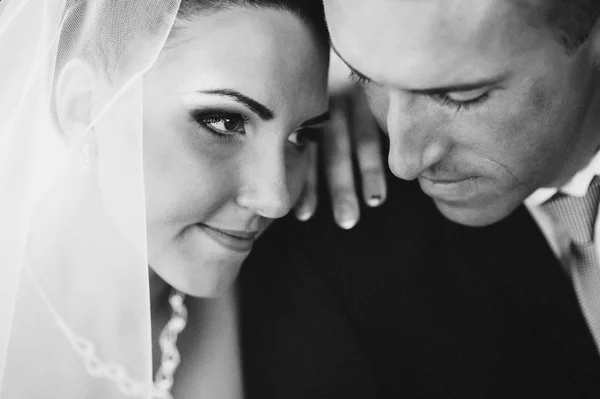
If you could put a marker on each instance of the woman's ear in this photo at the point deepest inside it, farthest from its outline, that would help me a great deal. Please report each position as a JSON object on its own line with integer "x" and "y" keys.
{"x": 73, "y": 98}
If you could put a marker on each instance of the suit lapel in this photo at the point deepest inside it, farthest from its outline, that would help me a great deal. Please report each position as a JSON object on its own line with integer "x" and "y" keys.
{"x": 517, "y": 257}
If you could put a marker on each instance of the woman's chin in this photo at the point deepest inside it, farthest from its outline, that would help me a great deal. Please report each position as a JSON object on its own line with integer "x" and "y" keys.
{"x": 203, "y": 278}
{"x": 210, "y": 288}
{"x": 195, "y": 263}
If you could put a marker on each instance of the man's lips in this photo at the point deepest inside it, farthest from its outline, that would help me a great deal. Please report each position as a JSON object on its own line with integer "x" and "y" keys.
{"x": 441, "y": 178}
{"x": 450, "y": 188}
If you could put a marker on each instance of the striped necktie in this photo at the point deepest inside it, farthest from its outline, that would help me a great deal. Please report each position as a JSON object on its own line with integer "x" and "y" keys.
{"x": 578, "y": 217}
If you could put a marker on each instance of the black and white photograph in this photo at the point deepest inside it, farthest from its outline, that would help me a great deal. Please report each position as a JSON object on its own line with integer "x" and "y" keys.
{"x": 299, "y": 199}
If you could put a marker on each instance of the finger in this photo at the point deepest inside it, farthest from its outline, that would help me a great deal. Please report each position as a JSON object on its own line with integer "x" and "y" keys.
{"x": 307, "y": 204}
{"x": 337, "y": 160}
{"x": 368, "y": 151}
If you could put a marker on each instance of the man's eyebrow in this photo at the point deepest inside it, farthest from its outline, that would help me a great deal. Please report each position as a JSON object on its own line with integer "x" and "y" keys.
{"x": 317, "y": 120}
{"x": 262, "y": 111}
{"x": 435, "y": 90}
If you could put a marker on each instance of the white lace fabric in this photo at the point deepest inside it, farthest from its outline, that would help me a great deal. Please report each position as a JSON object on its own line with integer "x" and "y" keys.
{"x": 73, "y": 267}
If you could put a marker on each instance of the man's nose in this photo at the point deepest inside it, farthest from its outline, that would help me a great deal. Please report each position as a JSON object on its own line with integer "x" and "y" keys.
{"x": 414, "y": 144}
{"x": 264, "y": 188}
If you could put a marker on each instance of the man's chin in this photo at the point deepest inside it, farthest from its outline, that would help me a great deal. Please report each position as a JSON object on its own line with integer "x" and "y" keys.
{"x": 474, "y": 216}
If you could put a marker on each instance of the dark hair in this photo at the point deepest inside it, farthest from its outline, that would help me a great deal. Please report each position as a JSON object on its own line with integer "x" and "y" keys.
{"x": 108, "y": 20}
{"x": 572, "y": 21}
{"x": 310, "y": 11}
{"x": 85, "y": 16}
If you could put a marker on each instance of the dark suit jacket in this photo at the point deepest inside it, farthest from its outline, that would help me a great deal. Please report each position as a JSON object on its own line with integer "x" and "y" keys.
{"x": 411, "y": 305}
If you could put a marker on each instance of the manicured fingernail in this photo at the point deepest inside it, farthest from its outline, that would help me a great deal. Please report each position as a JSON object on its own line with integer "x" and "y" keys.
{"x": 345, "y": 217}
{"x": 374, "y": 200}
{"x": 347, "y": 224}
{"x": 304, "y": 214}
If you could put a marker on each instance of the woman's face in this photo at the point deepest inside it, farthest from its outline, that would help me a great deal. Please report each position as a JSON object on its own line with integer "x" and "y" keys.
{"x": 228, "y": 110}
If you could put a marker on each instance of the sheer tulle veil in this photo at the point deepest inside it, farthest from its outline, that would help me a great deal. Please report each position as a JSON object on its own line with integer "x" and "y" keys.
{"x": 74, "y": 294}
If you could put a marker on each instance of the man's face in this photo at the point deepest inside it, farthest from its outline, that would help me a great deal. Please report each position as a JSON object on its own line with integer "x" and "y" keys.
{"x": 480, "y": 102}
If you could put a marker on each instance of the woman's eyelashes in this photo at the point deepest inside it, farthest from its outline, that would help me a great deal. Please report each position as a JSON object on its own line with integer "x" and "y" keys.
{"x": 226, "y": 125}
{"x": 221, "y": 124}
{"x": 303, "y": 136}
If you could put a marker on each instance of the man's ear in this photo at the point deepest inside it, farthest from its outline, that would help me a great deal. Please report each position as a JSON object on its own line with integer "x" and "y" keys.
{"x": 73, "y": 98}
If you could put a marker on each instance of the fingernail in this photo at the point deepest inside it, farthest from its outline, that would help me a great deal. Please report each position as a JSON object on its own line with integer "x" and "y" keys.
{"x": 304, "y": 214}
{"x": 374, "y": 200}
{"x": 347, "y": 224}
{"x": 345, "y": 217}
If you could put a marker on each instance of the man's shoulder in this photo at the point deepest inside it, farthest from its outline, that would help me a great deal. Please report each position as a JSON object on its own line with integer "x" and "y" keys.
{"x": 407, "y": 219}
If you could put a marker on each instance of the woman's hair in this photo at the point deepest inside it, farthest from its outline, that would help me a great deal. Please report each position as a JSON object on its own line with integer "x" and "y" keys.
{"x": 111, "y": 34}
{"x": 310, "y": 11}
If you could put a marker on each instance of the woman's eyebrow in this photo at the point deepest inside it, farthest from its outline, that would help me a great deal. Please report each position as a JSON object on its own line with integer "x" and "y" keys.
{"x": 317, "y": 120}
{"x": 262, "y": 111}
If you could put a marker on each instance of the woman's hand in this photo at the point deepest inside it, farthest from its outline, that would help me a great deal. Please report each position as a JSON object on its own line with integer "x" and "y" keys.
{"x": 351, "y": 136}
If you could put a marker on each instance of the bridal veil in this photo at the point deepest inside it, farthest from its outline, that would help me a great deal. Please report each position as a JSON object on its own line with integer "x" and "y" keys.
{"x": 74, "y": 293}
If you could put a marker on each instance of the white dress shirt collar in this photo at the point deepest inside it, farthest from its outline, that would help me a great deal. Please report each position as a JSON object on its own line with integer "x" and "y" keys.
{"x": 576, "y": 187}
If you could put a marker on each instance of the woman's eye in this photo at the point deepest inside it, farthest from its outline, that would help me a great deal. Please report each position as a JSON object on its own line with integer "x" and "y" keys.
{"x": 301, "y": 137}
{"x": 225, "y": 124}
{"x": 297, "y": 139}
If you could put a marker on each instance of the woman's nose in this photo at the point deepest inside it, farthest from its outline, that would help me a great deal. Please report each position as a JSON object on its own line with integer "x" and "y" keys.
{"x": 264, "y": 184}
{"x": 414, "y": 147}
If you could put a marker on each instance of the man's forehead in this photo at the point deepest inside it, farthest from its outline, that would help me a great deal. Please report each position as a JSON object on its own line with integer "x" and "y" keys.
{"x": 439, "y": 9}
{"x": 446, "y": 12}
{"x": 423, "y": 42}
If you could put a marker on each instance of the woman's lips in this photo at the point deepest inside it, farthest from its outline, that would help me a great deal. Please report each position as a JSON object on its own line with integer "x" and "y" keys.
{"x": 236, "y": 240}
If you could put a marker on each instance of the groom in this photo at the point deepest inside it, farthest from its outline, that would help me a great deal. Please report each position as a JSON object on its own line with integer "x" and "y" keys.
{"x": 480, "y": 276}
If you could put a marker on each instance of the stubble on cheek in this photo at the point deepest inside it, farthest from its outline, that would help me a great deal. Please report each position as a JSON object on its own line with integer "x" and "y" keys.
{"x": 529, "y": 136}
{"x": 555, "y": 131}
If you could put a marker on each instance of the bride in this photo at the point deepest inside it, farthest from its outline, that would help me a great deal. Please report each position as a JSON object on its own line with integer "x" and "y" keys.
{"x": 136, "y": 133}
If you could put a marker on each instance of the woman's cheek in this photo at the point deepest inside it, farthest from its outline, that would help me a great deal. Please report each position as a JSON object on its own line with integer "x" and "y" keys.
{"x": 297, "y": 171}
